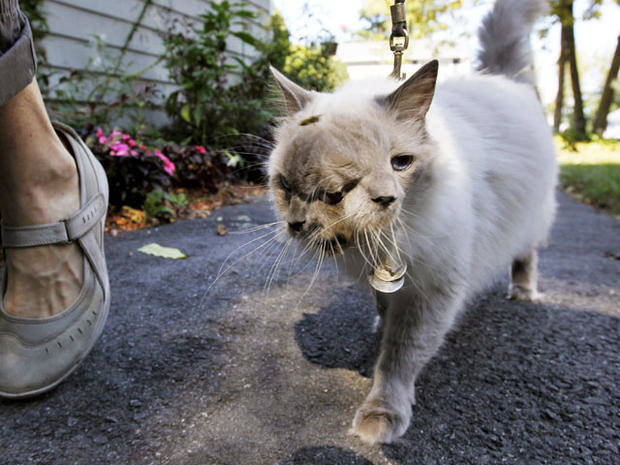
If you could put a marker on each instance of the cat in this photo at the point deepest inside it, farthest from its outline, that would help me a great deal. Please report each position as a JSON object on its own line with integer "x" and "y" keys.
{"x": 457, "y": 179}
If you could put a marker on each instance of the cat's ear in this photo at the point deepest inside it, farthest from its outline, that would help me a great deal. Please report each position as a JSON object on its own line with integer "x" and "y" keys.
{"x": 413, "y": 98}
{"x": 296, "y": 97}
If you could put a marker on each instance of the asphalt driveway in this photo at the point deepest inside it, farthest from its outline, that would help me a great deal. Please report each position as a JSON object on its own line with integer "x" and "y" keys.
{"x": 191, "y": 372}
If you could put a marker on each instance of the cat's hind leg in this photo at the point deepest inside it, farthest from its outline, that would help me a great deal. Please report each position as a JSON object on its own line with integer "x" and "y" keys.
{"x": 524, "y": 277}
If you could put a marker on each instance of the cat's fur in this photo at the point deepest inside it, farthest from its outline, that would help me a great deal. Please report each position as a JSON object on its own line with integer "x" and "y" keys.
{"x": 478, "y": 197}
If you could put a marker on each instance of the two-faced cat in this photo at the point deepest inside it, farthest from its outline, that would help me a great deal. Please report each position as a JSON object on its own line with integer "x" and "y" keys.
{"x": 457, "y": 179}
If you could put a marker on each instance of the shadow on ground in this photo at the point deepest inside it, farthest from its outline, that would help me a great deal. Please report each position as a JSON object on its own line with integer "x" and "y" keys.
{"x": 187, "y": 374}
{"x": 515, "y": 382}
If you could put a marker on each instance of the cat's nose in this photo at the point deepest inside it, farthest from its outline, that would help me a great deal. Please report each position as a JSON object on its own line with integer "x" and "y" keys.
{"x": 296, "y": 226}
{"x": 384, "y": 201}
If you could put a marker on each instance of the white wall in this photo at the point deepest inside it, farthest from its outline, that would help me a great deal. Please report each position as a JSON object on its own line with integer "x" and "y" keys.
{"x": 73, "y": 24}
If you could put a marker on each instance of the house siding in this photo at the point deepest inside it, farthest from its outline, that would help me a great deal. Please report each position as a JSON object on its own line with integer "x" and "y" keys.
{"x": 73, "y": 24}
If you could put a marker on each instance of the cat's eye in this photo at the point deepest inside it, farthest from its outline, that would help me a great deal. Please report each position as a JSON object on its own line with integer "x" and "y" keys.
{"x": 402, "y": 162}
{"x": 332, "y": 198}
{"x": 284, "y": 183}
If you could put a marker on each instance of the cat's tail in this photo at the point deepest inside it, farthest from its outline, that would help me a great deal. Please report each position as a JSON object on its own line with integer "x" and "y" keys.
{"x": 505, "y": 39}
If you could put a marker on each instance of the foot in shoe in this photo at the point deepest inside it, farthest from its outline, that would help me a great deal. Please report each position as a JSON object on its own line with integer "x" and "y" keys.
{"x": 41, "y": 281}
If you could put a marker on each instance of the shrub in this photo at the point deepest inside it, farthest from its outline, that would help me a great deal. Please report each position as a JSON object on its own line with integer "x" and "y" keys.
{"x": 197, "y": 167}
{"x": 208, "y": 104}
{"x": 314, "y": 67}
{"x": 160, "y": 206}
{"x": 100, "y": 93}
{"x": 136, "y": 170}
{"x": 133, "y": 169}
{"x": 211, "y": 108}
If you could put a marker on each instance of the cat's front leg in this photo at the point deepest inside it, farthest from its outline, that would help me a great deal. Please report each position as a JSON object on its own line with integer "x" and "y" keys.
{"x": 414, "y": 328}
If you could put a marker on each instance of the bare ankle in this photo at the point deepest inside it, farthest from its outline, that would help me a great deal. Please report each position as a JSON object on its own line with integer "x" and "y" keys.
{"x": 42, "y": 193}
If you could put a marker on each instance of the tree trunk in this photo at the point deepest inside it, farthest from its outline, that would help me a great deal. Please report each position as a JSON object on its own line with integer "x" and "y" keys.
{"x": 600, "y": 120}
{"x": 559, "y": 99}
{"x": 579, "y": 120}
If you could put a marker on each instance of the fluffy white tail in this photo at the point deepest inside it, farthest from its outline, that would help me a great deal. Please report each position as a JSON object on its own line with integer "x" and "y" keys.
{"x": 505, "y": 39}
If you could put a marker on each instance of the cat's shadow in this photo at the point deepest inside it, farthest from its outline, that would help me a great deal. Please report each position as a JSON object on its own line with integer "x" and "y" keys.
{"x": 341, "y": 334}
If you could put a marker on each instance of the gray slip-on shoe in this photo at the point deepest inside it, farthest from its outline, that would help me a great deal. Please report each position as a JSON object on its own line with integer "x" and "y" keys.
{"x": 38, "y": 354}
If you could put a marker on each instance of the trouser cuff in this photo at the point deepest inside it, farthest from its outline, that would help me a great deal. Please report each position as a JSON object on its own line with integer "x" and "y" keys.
{"x": 18, "y": 65}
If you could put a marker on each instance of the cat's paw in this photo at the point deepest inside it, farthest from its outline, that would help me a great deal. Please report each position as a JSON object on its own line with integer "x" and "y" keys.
{"x": 376, "y": 422}
{"x": 522, "y": 293}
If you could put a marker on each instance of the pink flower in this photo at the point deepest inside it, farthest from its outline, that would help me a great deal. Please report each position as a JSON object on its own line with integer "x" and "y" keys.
{"x": 122, "y": 150}
{"x": 114, "y": 134}
{"x": 131, "y": 143}
{"x": 168, "y": 165}
{"x": 133, "y": 152}
{"x": 100, "y": 136}
{"x": 200, "y": 148}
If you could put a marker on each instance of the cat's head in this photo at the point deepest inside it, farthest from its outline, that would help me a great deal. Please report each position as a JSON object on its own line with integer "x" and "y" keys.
{"x": 343, "y": 162}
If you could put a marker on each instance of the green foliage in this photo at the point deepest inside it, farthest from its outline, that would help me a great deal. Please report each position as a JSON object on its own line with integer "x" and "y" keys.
{"x": 164, "y": 206}
{"x": 209, "y": 104}
{"x": 592, "y": 173}
{"x": 97, "y": 95}
{"x": 221, "y": 96}
{"x": 424, "y": 16}
{"x": 314, "y": 68}
{"x": 570, "y": 137}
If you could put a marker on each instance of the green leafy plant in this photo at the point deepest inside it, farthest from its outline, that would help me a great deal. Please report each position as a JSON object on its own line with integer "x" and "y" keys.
{"x": 209, "y": 103}
{"x": 163, "y": 206}
{"x": 313, "y": 67}
{"x": 132, "y": 168}
{"x": 98, "y": 95}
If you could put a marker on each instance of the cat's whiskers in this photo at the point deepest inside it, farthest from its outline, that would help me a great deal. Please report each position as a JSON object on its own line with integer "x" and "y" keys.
{"x": 221, "y": 272}
{"x": 317, "y": 269}
{"x": 276, "y": 263}
{"x": 264, "y": 260}
{"x": 258, "y": 228}
{"x": 264, "y": 235}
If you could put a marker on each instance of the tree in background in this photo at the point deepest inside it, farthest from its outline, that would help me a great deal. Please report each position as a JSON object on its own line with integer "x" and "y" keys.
{"x": 600, "y": 120}
{"x": 564, "y": 11}
{"x": 424, "y": 16}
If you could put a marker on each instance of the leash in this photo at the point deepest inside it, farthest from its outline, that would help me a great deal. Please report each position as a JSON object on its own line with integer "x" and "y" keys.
{"x": 389, "y": 276}
{"x": 399, "y": 38}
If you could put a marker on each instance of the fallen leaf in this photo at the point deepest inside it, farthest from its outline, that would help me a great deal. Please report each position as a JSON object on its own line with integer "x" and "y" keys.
{"x": 160, "y": 251}
{"x": 221, "y": 230}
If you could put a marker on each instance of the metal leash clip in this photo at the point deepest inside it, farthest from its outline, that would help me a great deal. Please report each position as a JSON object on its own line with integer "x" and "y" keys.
{"x": 399, "y": 38}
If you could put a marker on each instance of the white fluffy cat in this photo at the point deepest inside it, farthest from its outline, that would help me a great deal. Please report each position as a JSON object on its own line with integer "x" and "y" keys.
{"x": 458, "y": 179}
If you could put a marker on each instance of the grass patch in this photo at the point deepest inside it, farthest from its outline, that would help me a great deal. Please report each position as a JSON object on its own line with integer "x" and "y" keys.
{"x": 592, "y": 173}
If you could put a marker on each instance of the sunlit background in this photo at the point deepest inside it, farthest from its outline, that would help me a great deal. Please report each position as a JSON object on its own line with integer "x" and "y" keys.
{"x": 595, "y": 40}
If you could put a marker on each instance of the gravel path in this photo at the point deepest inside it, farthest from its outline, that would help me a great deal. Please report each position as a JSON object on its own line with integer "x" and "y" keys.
{"x": 241, "y": 375}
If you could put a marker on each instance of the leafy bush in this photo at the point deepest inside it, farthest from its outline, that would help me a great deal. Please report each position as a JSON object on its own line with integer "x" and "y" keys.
{"x": 315, "y": 68}
{"x": 208, "y": 104}
{"x": 198, "y": 168}
{"x": 211, "y": 108}
{"x": 160, "y": 206}
{"x": 133, "y": 169}
{"x": 136, "y": 170}
{"x": 100, "y": 94}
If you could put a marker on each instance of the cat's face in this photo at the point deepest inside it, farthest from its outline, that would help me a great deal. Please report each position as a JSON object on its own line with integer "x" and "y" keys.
{"x": 338, "y": 176}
